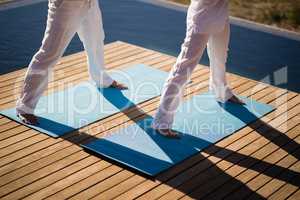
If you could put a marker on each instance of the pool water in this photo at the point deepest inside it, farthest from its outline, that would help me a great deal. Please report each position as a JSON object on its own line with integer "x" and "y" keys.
{"x": 254, "y": 54}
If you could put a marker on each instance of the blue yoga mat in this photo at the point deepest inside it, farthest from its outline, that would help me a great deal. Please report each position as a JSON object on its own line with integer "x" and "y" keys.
{"x": 200, "y": 121}
{"x": 83, "y": 104}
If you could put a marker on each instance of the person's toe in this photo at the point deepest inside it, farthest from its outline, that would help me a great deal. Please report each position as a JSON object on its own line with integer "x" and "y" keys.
{"x": 28, "y": 119}
{"x": 119, "y": 86}
{"x": 236, "y": 100}
{"x": 168, "y": 133}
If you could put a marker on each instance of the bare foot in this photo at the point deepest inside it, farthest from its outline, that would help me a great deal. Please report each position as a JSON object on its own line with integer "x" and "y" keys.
{"x": 235, "y": 99}
{"x": 168, "y": 133}
{"x": 28, "y": 119}
{"x": 118, "y": 85}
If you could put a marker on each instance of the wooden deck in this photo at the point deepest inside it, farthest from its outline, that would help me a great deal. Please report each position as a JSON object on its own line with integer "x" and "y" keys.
{"x": 259, "y": 161}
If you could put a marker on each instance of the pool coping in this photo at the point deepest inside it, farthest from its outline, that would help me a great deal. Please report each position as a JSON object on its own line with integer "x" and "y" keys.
{"x": 183, "y": 8}
{"x": 233, "y": 20}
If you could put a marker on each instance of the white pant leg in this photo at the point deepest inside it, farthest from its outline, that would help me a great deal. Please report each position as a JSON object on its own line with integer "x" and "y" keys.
{"x": 91, "y": 33}
{"x": 217, "y": 52}
{"x": 191, "y": 52}
{"x": 62, "y": 23}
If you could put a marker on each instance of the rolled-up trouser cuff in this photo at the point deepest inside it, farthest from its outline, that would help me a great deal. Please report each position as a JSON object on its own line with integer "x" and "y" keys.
{"x": 222, "y": 94}
{"x": 105, "y": 83}
{"x": 161, "y": 126}
{"x": 21, "y": 108}
{"x": 159, "y": 123}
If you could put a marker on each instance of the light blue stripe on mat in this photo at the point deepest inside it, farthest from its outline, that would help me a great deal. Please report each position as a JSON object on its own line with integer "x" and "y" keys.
{"x": 83, "y": 104}
{"x": 201, "y": 121}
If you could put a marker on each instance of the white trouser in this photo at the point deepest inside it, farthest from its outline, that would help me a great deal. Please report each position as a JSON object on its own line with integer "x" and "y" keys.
{"x": 65, "y": 18}
{"x": 191, "y": 52}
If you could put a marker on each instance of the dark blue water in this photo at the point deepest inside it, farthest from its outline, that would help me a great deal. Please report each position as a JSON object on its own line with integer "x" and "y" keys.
{"x": 253, "y": 54}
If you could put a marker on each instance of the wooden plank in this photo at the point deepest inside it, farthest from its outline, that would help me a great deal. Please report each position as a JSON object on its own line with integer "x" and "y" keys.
{"x": 150, "y": 195}
{"x": 3, "y": 121}
{"x": 128, "y": 50}
{"x": 285, "y": 191}
{"x": 7, "y": 134}
{"x": 72, "y": 80}
{"x": 273, "y": 184}
{"x": 75, "y": 177}
{"x": 212, "y": 178}
{"x": 264, "y": 183}
{"x": 34, "y": 166}
{"x": 108, "y": 176}
{"x": 164, "y": 188}
{"x": 239, "y": 176}
{"x": 295, "y": 196}
{"x": 263, "y": 152}
{"x": 6, "y": 151}
{"x": 47, "y": 142}
{"x": 73, "y": 69}
{"x": 70, "y": 191}
{"x": 1, "y": 138}
{"x": 97, "y": 187}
